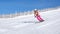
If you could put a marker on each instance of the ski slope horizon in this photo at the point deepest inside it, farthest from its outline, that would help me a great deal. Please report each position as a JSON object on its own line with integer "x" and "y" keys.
{"x": 28, "y": 24}
{"x": 25, "y": 13}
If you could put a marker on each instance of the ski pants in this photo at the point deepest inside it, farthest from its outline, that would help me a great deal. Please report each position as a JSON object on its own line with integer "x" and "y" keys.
{"x": 39, "y": 18}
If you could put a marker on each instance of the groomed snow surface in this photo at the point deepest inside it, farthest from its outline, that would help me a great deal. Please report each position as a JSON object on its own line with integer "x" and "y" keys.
{"x": 28, "y": 24}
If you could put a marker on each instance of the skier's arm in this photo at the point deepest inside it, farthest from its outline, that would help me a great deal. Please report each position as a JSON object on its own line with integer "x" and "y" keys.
{"x": 34, "y": 15}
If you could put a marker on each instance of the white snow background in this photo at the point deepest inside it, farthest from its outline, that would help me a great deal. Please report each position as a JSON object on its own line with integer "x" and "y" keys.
{"x": 28, "y": 24}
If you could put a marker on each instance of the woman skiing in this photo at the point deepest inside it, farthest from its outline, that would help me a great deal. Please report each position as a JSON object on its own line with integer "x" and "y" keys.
{"x": 36, "y": 14}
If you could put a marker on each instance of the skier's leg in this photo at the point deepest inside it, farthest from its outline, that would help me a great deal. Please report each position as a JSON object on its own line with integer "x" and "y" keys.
{"x": 39, "y": 18}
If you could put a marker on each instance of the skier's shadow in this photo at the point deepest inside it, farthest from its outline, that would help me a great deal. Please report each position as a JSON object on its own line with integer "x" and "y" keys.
{"x": 31, "y": 22}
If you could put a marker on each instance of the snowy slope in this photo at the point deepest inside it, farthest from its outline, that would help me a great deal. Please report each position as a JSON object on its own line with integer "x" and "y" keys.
{"x": 28, "y": 24}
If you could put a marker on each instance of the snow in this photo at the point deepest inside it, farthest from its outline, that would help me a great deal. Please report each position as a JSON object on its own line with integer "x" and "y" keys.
{"x": 28, "y": 24}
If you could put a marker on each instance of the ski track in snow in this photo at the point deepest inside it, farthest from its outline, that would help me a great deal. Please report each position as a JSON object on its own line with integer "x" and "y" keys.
{"x": 28, "y": 24}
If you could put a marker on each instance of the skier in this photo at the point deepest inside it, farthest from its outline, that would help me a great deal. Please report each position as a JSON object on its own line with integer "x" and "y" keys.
{"x": 36, "y": 14}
